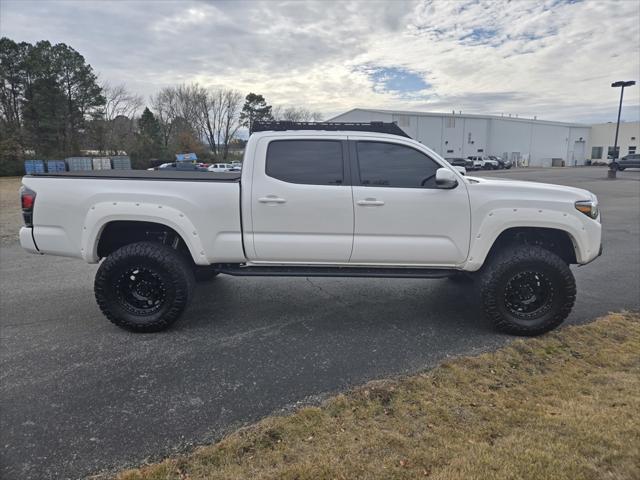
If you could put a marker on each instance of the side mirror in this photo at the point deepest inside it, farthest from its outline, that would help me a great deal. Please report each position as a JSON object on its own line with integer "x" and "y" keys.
{"x": 461, "y": 170}
{"x": 446, "y": 179}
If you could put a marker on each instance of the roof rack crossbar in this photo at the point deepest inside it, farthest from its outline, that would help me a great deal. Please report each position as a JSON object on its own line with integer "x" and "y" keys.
{"x": 283, "y": 125}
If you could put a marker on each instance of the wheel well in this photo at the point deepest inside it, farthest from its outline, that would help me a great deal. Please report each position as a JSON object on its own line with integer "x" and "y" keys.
{"x": 554, "y": 240}
{"x": 119, "y": 233}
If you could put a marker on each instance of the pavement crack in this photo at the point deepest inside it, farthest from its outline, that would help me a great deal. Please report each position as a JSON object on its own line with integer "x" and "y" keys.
{"x": 335, "y": 298}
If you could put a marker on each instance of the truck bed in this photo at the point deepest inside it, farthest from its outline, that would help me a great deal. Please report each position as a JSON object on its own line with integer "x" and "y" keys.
{"x": 190, "y": 176}
{"x": 71, "y": 210}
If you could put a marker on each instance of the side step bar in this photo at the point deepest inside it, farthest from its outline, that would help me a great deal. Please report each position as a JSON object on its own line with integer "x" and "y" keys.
{"x": 309, "y": 271}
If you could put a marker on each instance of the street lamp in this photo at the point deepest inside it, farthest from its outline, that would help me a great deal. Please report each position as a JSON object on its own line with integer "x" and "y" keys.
{"x": 612, "y": 170}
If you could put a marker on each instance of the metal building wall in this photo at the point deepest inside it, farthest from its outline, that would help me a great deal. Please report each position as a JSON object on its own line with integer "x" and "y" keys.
{"x": 531, "y": 142}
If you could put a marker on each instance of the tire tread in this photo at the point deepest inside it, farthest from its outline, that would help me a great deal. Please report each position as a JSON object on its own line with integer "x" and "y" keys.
{"x": 184, "y": 283}
{"x": 504, "y": 260}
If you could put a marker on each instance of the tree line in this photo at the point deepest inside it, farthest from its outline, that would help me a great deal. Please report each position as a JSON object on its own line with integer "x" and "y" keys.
{"x": 52, "y": 106}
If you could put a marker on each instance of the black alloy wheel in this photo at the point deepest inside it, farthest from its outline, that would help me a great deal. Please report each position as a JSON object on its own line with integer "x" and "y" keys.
{"x": 144, "y": 286}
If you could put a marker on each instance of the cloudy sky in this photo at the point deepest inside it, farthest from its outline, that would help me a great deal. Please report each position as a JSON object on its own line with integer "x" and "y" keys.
{"x": 554, "y": 59}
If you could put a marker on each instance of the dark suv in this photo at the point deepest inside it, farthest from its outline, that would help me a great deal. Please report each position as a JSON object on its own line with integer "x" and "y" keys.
{"x": 460, "y": 162}
{"x": 628, "y": 161}
{"x": 501, "y": 163}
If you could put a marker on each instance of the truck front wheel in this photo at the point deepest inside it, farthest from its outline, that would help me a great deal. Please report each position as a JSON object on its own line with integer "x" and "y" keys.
{"x": 527, "y": 290}
{"x": 144, "y": 286}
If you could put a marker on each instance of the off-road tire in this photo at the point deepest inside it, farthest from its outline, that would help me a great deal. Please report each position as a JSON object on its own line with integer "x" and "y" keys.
{"x": 518, "y": 260}
{"x": 171, "y": 273}
{"x": 203, "y": 273}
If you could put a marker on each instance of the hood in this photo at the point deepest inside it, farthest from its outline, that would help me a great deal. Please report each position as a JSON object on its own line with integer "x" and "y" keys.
{"x": 505, "y": 184}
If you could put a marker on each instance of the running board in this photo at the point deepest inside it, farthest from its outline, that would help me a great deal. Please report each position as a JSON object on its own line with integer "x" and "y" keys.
{"x": 308, "y": 271}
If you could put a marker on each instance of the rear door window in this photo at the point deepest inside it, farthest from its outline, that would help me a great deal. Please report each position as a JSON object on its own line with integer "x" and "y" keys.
{"x": 311, "y": 162}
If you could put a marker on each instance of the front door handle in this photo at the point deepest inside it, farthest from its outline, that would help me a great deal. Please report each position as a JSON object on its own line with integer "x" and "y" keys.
{"x": 370, "y": 202}
{"x": 271, "y": 199}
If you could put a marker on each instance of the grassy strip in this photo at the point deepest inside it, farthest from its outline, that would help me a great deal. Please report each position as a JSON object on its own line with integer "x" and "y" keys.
{"x": 562, "y": 406}
{"x": 10, "y": 212}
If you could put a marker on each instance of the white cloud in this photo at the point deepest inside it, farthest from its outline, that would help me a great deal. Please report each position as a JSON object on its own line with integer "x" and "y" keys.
{"x": 182, "y": 22}
{"x": 552, "y": 59}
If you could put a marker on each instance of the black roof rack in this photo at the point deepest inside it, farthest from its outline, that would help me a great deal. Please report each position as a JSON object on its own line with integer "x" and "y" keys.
{"x": 282, "y": 125}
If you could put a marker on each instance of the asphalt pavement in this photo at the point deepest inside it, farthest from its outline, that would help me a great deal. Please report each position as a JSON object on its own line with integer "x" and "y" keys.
{"x": 80, "y": 396}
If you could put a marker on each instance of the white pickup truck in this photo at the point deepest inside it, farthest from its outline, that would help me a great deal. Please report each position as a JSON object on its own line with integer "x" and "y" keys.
{"x": 317, "y": 200}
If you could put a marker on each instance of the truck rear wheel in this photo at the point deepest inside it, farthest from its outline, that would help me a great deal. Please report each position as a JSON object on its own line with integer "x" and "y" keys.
{"x": 144, "y": 286}
{"x": 527, "y": 290}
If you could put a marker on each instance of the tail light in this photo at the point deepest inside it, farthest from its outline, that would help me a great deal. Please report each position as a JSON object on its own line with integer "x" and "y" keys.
{"x": 28, "y": 200}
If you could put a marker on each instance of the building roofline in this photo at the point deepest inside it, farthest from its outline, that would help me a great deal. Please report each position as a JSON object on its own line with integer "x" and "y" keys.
{"x": 622, "y": 122}
{"x": 462, "y": 115}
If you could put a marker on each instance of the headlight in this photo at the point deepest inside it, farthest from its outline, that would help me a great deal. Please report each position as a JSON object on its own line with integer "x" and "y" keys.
{"x": 588, "y": 207}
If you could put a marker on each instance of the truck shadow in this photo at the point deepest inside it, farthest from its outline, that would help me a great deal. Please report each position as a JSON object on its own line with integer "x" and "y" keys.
{"x": 378, "y": 305}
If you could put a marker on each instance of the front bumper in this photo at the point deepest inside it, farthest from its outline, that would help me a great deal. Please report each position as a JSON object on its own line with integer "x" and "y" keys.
{"x": 600, "y": 250}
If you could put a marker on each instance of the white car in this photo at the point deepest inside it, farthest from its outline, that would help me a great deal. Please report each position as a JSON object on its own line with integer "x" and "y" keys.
{"x": 484, "y": 163}
{"x": 219, "y": 167}
{"x": 317, "y": 200}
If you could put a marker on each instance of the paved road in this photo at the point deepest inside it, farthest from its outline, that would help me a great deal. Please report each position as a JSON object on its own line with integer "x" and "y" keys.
{"x": 79, "y": 395}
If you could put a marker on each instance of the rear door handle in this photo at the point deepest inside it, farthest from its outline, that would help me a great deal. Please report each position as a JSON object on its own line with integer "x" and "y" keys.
{"x": 371, "y": 202}
{"x": 271, "y": 199}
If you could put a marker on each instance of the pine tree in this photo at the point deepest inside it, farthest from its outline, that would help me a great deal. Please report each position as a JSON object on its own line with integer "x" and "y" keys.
{"x": 255, "y": 109}
{"x": 149, "y": 143}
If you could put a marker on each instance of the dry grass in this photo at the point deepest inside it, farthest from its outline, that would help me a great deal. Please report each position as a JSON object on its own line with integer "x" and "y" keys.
{"x": 562, "y": 406}
{"x": 10, "y": 214}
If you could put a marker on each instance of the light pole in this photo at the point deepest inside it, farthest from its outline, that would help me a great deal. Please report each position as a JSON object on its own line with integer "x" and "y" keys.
{"x": 612, "y": 169}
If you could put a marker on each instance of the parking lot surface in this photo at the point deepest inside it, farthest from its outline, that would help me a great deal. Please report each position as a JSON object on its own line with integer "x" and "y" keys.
{"x": 79, "y": 395}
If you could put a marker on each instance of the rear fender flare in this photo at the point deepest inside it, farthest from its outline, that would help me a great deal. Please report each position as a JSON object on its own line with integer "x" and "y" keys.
{"x": 102, "y": 213}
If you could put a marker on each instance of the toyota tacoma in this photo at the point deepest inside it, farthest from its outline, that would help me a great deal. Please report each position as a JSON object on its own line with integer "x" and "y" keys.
{"x": 357, "y": 200}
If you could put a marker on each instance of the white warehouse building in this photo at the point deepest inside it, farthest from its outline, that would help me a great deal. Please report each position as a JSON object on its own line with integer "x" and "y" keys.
{"x": 603, "y": 136}
{"x": 531, "y": 142}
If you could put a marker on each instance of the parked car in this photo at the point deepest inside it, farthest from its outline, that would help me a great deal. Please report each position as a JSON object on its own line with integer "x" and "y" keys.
{"x": 460, "y": 162}
{"x": 628, "y": 161}
{"x": 220, "y": 167}
{"x": 316, "y": 200}
{"x": 182, "y": 166}
{"x": 482, "y": 162}
{"x": 501, "y": 163}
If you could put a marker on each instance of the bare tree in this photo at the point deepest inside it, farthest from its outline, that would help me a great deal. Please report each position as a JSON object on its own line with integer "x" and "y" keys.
{"x": 179, "y": 111}
{"x": 277, "y": 112}
{"x": 164, "y": 107}
{"x": 190, "y": 110}
{"x": 188, "y": 103}
{"x": 211, "y": 113}
{"x": 296, "y": 114}
{"x": 232, "y": 101}
{"x": 120, "y": 105}
{"x": 120, "y": 102}
{"x": 220, "y": 119}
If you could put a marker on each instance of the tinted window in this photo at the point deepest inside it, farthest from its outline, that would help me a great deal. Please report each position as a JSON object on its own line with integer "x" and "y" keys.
{"x": 314, "y": 162}
{"x": 596, "y": 152}
{"x": 391, "y": 165}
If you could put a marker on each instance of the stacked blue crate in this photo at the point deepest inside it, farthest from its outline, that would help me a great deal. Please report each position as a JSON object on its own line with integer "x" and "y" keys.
{"x": 56, "y": 166}
{"x": 34, "y": 166}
